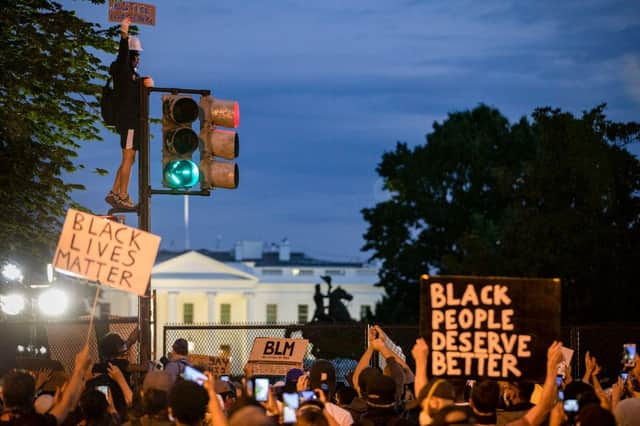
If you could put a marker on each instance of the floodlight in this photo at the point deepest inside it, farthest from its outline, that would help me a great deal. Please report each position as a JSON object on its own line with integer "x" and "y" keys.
{"x": 12, "y": 304}
{"x": 53, "y": 302}
{"x": 11, "y": 272}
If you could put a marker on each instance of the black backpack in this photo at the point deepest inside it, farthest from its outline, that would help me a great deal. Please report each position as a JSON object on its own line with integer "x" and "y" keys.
{"x": 108, "y": 104}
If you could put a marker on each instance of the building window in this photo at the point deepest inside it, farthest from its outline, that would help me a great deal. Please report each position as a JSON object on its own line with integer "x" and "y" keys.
{"x": 272, "y": 313}
{"x": 225, "y": 313}
{"x": 187, "y": 313}
{"x": 272, "y": 272}
{"x": 302, "y": 272}
{"x": 303, "y": 314}
{"x": 364, "y": 310}
{"x": 335, "y": 272}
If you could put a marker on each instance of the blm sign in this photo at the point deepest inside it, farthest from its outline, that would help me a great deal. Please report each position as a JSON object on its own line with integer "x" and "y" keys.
{"x": 489, "y": 327}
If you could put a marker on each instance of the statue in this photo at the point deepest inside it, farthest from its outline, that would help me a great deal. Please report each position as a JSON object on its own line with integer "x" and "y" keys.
{"x": 337, "y": 311}
{"x": 319, "y": 331}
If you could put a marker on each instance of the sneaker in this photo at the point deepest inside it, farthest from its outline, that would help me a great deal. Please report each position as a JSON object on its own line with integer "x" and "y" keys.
{"x": 126, "y": 203}
{"x": 112, "y": 198}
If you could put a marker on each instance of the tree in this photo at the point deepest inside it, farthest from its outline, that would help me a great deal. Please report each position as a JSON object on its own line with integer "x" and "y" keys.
{"x": 554, "y": 197}
{"x": 48, "y": 85}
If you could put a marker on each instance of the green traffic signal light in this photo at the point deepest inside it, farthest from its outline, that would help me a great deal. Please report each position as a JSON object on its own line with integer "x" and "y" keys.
{"x": 181, "y": 174}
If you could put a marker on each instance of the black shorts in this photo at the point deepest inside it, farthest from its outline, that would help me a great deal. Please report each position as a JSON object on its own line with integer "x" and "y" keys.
{"x": 130, "y": 139}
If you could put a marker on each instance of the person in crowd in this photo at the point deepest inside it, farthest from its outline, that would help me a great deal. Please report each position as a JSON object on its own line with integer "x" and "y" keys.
{"x": 377, "y": 339}
{"x": 97, "y": 409}
{"x": 227, "y": 392}
{"x": 486, "y": 394}
{"x": 113, "y": 371}
{"x": 291, "y": 380}
{"x": 516, "y": 399}
{"x": 382, "y": 403}
{"x": 322, "y": 377}
{"x": 434, "y": 397}
{"x": 177, "y": 359}
{"x": 155, "y": 400}
{"x": 627, "y": 410}
{"x": 18, "y": 390}
{"x": 188, "y": 403}
{"x": 126, "y": 83}
{"x": 358, "y": 405}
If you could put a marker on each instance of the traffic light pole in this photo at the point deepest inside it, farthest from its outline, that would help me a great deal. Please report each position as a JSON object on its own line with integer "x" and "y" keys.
{"x": 144, "y": 223}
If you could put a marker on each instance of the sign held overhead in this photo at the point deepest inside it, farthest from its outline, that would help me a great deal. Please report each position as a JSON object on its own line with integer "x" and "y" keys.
{"x": 139, "y": 13}
{"x": 106, "y": 252}
{"x": 489, "y": 327}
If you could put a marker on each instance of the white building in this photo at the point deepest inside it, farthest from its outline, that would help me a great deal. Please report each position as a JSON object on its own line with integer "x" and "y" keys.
{"x": 249, "y": 284}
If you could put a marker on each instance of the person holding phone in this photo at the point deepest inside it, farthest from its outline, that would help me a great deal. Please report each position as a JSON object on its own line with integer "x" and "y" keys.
{"x": 177, "y": 359}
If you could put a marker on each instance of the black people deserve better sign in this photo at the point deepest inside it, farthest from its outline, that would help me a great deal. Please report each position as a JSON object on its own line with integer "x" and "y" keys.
{"x": 489, "y": 327}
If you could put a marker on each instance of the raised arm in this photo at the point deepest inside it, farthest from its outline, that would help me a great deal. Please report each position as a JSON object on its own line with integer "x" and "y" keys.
{"x": 364, "y": 361}
{"x": 538, "y": 412}
{"x": 420, "y": 353}
{"x": 386, "y": 352}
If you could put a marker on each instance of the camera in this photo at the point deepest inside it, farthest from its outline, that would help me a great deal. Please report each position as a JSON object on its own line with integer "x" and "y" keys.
{"x": 193, "y": 375}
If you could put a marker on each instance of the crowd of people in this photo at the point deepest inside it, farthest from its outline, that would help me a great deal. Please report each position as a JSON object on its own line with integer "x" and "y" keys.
{"x": 175, "y": 392}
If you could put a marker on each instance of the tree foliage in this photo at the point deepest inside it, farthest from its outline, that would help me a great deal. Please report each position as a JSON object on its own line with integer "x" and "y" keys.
{"x": 557, "y": 196}
{"x": 48, "y": 86}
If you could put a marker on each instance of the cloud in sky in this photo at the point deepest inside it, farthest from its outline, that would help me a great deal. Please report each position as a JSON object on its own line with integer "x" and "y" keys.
{"x": 325, "y": 88}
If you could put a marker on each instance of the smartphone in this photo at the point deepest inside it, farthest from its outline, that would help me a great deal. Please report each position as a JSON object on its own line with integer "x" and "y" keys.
{"x": 261, "y": 389}
{"x": 307, "y": 395}
{"x": 629, "y": 353}
{"x": 104, "y": 389}
{"x": 249, "y": 387}
{"x": 193, "y": 375}
{"x": 571, "y": 406}
{"x": 559, "y": 379}
{"x": 624, "y": 376}
{"x": 224, "y": 378}
{"x": 290, "y": 404}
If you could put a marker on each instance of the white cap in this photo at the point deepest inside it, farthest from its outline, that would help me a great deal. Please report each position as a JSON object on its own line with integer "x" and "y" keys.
{"x": 134, "y": 44}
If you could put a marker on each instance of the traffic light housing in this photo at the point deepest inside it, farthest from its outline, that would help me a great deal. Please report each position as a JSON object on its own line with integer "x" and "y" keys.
{"x": 217, "y": 143}
{"x": 179, "y": 141}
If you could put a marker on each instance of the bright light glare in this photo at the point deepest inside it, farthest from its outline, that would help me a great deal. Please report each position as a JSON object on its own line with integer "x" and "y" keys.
{"x": 53, "y": 302}
{"x": 12, "y": 304}
{"x": 12, "y": 272}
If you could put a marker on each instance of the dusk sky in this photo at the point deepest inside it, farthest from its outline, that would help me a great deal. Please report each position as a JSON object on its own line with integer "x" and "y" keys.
{"x": 326, "y": 87}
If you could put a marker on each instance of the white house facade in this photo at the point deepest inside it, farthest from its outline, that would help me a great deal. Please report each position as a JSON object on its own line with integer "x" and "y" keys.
{"x": 251, "y": 284}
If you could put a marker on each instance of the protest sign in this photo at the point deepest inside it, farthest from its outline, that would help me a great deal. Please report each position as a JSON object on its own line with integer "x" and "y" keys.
{"x": 139, "y": 13}
{"x": 215, "y": 364}
{"x": 271, "y": 356}
{"x": 106, "y": 252}
{"x": 489, "y": 327}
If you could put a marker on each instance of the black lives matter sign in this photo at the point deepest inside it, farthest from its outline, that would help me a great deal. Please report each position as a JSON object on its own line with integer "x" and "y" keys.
{"x": 489, "y": 327}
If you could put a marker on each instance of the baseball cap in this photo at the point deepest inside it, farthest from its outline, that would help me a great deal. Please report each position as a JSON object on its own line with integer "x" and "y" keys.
{"x": 381, "y": 391}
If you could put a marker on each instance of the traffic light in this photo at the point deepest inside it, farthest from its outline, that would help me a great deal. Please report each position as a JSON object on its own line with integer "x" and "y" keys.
{"x": 218, "y": 143}
{"x": 179, "y": 141}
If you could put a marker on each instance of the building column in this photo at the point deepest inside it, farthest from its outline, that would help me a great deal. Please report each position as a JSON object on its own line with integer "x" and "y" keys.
{"x": 248, "y": 297}
{"x": 173, "y": 306}
{"x": 211, "y": 305}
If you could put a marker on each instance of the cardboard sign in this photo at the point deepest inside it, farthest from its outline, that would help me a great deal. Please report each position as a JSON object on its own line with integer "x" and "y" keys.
{"x": 489, "y": 327}
{"x": 215, "y": 364}
{"x": 272, "y": 369}
{"x": 271, "y": 349}
{"x": 106, "y": 252}
{"x": 139, "y": 13}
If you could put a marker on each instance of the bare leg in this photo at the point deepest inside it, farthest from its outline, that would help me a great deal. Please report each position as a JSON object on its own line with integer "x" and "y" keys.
{"x": 124, "y": 173}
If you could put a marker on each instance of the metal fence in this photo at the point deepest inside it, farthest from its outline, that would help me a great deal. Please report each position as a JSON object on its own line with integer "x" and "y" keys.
{"x": 345, "y": 343}
{"x": 61, "y": 340}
